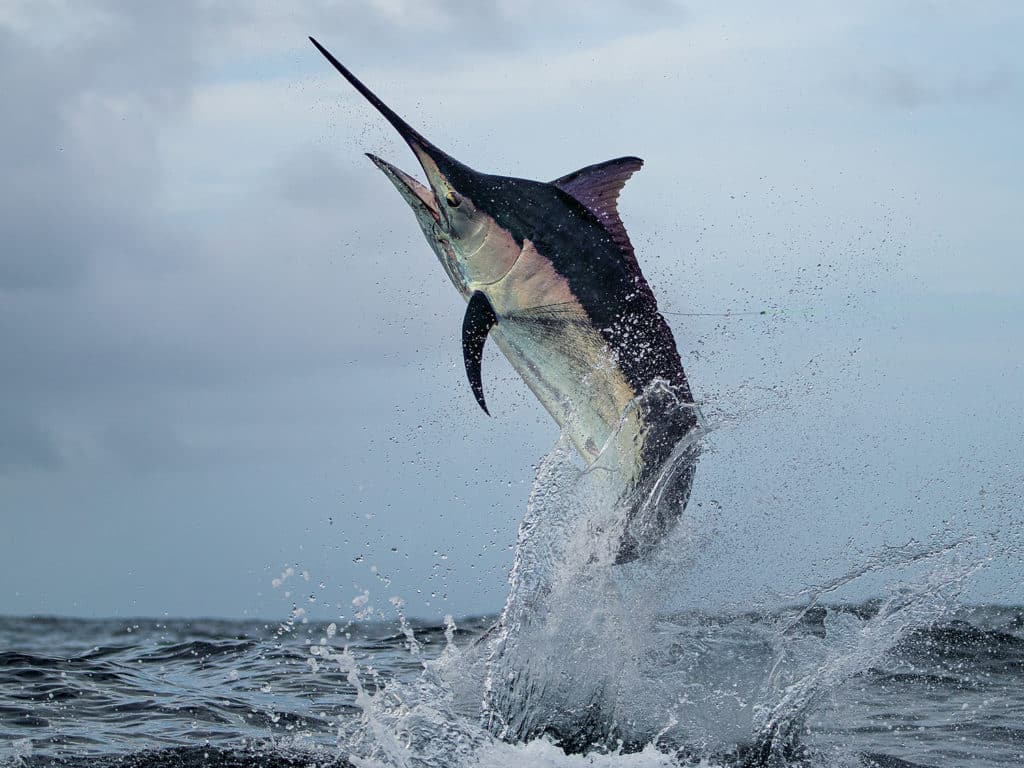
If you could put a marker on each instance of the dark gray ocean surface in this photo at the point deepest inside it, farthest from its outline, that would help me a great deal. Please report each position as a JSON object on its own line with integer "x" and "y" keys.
{"x": 251, "y": 693}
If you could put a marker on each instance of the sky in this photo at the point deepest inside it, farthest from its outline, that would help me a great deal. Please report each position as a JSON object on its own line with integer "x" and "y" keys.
{"x": 231, "y": 378}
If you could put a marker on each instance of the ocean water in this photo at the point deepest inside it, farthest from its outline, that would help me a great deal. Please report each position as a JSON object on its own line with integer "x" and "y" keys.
{"x": 220, "y": 693}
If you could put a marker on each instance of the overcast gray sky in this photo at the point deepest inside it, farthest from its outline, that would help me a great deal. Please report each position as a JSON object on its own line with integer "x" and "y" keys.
{"x": 227, "y": 350}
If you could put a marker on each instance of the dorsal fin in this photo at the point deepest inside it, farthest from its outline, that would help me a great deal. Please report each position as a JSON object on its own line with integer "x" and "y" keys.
{"x": 477, "y": 323}
{"x": 597, "y": 188}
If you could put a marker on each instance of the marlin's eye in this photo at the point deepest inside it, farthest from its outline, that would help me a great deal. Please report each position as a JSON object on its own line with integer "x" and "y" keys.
{"x": 452, "y": 199}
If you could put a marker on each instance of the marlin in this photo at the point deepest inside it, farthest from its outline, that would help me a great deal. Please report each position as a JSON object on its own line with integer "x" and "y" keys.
{"x": 549, "y": 273}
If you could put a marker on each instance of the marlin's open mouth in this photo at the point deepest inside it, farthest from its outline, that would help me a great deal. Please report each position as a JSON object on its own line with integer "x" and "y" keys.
{"x": 417, "y": 195}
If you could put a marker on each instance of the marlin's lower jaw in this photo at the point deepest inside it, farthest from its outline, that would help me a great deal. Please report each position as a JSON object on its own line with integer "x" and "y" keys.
{"x": 424, "y": 205}
{"x": 419, "y": 196}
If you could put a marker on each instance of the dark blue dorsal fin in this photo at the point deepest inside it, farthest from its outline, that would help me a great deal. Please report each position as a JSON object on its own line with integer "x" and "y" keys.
{"x": 477, "y": 323}
{"x": 597, "y": 188}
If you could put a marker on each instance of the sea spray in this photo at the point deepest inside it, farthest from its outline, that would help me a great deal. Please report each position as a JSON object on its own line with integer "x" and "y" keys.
{"x": 810, "y": 666}
{"x": 572, "y": 639}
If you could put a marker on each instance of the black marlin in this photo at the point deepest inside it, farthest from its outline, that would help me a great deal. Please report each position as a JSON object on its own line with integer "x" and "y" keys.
{"x": 549, "y": 272}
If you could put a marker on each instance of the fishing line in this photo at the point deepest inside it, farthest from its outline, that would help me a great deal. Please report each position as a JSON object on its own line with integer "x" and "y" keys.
{"x": 560, "y": 304}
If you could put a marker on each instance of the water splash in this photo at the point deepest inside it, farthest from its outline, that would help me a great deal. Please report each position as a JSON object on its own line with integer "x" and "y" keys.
{"x": 584, "y": 666}
{"x": 573, "y": 635}
{"x": 809, "y": 668}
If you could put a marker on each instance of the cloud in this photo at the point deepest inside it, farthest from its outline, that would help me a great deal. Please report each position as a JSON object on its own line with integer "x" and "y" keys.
{"x": 26, "y": 444}
{"x": 137, "y": 271}
{"x": 445, "y": 32}
{"x": 901, "y": 88}
{"x": 78, "y": 145}
{"x": 314, "y": 179}
{"x": 87, "y": 95}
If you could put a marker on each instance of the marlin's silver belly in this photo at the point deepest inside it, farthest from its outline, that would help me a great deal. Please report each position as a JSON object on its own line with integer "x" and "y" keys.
{"x": 572, "y": 375}
{"x": 548, "y": 338}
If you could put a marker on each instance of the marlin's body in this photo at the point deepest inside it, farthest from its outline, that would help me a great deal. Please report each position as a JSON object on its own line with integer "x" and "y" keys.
{"x": 549, "y": 273}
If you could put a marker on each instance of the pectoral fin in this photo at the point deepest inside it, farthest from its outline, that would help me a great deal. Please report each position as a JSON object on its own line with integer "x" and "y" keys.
{"x": 477, "y": 323}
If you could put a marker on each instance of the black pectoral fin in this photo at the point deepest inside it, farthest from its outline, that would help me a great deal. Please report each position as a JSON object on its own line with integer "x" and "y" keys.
{"x": 477, "y": 323}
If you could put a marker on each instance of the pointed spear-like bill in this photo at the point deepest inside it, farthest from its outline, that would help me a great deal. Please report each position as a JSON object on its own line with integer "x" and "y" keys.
{"x": 431, "y": 158}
